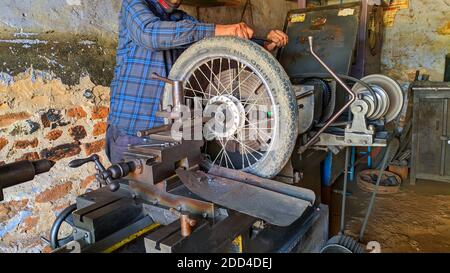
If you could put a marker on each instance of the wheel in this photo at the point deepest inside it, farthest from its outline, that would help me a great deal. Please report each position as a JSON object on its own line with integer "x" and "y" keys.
{"x": 64, "y": 216}
{"x": 343, "y": 245}
{"x": 249, "y": 98}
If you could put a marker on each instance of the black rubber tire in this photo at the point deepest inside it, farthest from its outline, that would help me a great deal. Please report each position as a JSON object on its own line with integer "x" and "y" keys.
{"x": 276, "y": 78}
{"x": 343, "y": 245}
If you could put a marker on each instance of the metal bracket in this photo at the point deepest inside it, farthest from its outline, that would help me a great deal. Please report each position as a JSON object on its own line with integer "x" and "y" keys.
{"x": 358, "y": 133}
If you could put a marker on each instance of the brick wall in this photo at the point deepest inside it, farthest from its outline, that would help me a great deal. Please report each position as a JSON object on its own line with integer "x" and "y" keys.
{"x": 40, "y": 117}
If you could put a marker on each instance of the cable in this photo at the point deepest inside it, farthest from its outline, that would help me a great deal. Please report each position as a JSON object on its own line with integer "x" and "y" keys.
{"x": 374, "y": 195}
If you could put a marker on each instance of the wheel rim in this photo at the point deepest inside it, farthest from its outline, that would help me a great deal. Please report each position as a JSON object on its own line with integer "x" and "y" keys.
{"x": 237, "y": 98}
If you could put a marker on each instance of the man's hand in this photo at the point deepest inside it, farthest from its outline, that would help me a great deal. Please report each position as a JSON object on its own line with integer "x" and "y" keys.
{"x": 240, "y": 30}
{"x": 277, "y": 39}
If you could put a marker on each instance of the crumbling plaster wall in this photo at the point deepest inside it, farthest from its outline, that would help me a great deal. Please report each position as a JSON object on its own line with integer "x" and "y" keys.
{"x": 419, "y": 39}
{"x": 56, "y": 60}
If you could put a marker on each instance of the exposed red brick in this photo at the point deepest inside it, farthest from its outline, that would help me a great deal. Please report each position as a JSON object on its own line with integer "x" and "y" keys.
{"x": 33, "y": 156}
{"x": 78, "y": 132}
{"x": 3, "y": 142}
{"x": 9, "y": 209}
{"x": 87, "y": 182}
{"x": 8, "y": 119}
{"x": 99, "y": 128}
{"x": 94, "y": 147}
{"x": 76, "y": 112}
{"x": 99, "y": 112}
{"x": 29, "y": 223}
{"x": 23, "y": 144}
{"x": 61, "y": 151}
{"x": 54, "y": 135}
{"x": 54, "y": 193}
{"x": 45, "y": 121}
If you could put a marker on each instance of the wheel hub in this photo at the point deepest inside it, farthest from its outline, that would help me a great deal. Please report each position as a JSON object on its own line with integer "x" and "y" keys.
{"x": 228, "y": 115}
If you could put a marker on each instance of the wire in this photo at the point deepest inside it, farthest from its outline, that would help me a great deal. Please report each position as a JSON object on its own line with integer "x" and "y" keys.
{"x": 377, "y": 188}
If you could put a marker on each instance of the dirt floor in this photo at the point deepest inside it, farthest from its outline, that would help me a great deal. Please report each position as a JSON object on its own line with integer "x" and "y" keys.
{"x": 415, "y": 220}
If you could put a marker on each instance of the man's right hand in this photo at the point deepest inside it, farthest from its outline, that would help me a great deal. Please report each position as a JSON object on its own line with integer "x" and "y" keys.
{"x": 240, "y": 30}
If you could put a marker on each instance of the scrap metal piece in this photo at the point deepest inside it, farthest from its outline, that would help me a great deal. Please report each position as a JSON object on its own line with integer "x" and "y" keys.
{"x": 273, "y": 207}
{"x": 271, "y": 185}
{"x": 157, "y": 196}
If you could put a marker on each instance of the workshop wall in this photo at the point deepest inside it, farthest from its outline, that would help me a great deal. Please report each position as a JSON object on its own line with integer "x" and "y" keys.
{"x": 418, "y": 39}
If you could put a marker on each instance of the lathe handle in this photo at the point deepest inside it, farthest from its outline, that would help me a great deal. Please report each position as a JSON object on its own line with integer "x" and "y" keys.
{"x": 80, "y": 162}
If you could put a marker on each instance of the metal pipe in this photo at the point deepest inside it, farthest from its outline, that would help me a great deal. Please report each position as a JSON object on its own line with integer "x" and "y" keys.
{"x": 155, "y": 130}
{"x": 338, "y": 114}
{"x": 344, "y": 190}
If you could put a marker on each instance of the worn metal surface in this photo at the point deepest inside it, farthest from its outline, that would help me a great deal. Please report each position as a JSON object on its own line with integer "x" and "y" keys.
{"x": 431, "y": 132}
{"x": 155, "y": 195}
{"x": 271, "y": 185}
{"x": 335, "y": 38}
{"x": 162, "y": 161}
{"x": 273, "y": 207}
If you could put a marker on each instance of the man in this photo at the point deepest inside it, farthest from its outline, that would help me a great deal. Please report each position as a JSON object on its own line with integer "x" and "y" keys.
{"x": 152, "y": 34}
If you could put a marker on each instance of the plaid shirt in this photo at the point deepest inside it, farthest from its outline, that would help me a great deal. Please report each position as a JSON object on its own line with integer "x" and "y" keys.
{"x": 150, "y": 40}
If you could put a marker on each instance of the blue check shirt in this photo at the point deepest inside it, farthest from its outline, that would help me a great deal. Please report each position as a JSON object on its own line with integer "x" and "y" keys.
{"x": 150, "y": 40}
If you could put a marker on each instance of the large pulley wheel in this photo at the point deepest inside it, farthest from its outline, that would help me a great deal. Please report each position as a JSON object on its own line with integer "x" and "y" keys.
{"x": 247, "y": 96}
{"x": 389, "y": 97}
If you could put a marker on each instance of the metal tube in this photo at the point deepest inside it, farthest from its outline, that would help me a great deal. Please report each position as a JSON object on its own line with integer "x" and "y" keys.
{"x": 155, "y": 130}
{"x": 338, "y": 114}
{"x": 374, "y": 195}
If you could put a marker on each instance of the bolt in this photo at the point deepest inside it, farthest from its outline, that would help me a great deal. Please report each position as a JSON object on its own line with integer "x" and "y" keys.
{"x": 179, "y": 208}
{"x": 75, "y": 231}
{"x": 205, "y": 215}
{"x": 86, "y": 235}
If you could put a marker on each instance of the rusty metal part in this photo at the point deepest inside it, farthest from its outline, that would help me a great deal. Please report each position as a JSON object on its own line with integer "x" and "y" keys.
{"x": 161, "y": 162}
{"x": 267, "y": 184}
{"x": 155, "y": 130}
{"x": 352, "y": 99}
{"x": 275, "y": 208}
{"x": 187, "y": 223}
{"x": 155, "y": 195}
{"x": 177, "y": 88}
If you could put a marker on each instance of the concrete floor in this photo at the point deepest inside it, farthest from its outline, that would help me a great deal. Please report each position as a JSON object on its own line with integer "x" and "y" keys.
{"x": 415, "y": 220}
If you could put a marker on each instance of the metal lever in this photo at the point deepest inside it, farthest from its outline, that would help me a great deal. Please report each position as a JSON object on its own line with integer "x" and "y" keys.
{"x": 102, "y": 171}
{"x": 177, "y": 88}
{"x": 80, "y": 162}
{"x": 338, "y": 114}
{"x": 156, "y": 76}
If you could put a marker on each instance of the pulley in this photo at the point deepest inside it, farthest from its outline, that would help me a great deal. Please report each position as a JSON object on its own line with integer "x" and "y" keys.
{"x": 388, "y": 97}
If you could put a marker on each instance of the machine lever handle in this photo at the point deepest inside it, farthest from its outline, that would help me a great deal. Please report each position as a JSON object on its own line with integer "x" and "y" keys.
{"x": 156, "y": 76}
{"x": 80, "y": 162}
{"x": 102, "y": 171}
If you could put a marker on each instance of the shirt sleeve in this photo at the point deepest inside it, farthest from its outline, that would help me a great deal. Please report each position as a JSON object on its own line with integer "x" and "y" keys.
{"x": 147, "y": 30}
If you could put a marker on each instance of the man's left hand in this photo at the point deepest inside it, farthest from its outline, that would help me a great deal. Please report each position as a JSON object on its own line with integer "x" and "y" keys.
{"x": 277, "y": 38}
